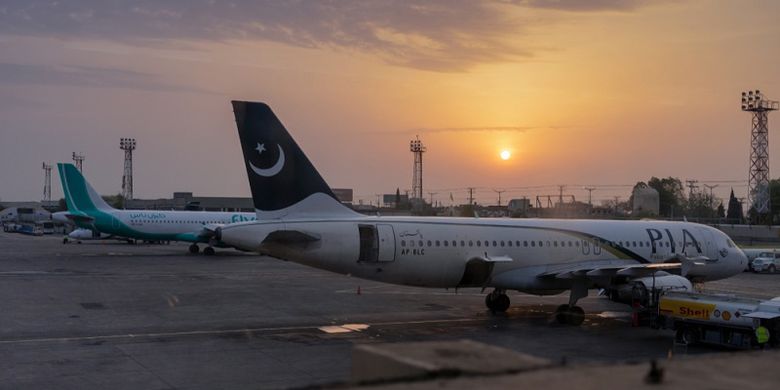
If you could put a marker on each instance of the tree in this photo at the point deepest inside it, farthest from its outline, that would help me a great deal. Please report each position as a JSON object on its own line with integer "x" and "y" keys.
{"x": 670, "y": 195}
{"x": 721, "y": 211}
{"x": 397, "y": 198}
{"x": 116, "y": 201}
{"x": 734, "y": 213}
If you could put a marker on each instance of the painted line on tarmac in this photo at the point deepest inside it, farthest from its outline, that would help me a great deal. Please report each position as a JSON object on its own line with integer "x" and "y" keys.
{"x": 134, "y": 336}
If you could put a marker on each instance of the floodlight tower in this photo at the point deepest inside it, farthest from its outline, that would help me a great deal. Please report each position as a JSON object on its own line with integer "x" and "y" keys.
{"x": 78, "y": 159}
{"x": 128, "y": 145}
{"x": 47, "y": 182}
{"x": 417, "y": 148}
{"x": 758, "y": 179}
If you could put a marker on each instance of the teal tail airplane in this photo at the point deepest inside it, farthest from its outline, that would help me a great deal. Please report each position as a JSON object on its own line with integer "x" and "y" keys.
{"x": 89, "y": 211}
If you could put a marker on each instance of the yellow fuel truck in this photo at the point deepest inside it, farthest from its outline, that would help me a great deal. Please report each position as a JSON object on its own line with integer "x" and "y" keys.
{"x": 720, "y": 319}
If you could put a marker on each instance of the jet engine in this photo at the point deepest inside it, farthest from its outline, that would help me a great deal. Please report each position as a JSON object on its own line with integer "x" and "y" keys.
{"x": 641, "y": 289}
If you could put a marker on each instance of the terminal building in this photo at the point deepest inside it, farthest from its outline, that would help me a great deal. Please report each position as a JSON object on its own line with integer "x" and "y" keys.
{"x": 187, "y": 201}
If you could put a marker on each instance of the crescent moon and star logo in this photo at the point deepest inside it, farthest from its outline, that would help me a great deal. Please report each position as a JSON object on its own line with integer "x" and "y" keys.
{"x": 272, "y": 171}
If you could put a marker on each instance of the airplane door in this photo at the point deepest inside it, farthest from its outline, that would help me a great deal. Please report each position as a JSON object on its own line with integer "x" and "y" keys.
{"x": 386, "y": 238}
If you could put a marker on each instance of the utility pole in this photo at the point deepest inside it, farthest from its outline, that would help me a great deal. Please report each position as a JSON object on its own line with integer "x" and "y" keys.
{"x": 471, "y": 195}
{"x": 499, "y": 192}
{"x": 692, "y": 186}
{"x": 560, "y": 194}
{"x": 78, "y": 159}
{"x": 417, "y": 148}
{"x": 711, "y": 187}
{"x": 47, "y": 182}
{"x": 128, "y": 145}
{"x": 590, "y": 193}
{"x": 432, "y": 194}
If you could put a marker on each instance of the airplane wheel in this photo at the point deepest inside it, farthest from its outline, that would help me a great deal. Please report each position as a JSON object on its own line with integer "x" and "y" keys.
{"x": 209, "y": 251}
{"x": 489, "y": 302}
{"x": 562, "y": 314}
{"x": 65, "y": 240}
{"x": 194, "y": 249}
{"x": 501, "y": 303}
{"x": 576, "y": 315}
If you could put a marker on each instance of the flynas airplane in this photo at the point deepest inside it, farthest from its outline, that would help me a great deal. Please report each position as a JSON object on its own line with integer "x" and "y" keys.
{"x": 300, "y": 219}
{"x": 88, "y": 210}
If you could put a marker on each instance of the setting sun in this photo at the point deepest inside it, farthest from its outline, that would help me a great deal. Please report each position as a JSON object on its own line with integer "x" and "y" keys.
{"x": 505, "y": 154}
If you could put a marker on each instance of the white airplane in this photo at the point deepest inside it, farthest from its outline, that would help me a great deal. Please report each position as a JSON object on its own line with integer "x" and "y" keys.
{"x": 299, "y": 219}
{"x": 87, "y": 210}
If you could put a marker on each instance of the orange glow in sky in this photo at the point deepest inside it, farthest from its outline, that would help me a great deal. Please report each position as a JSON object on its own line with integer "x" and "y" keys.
{"x": 587, "y": 93}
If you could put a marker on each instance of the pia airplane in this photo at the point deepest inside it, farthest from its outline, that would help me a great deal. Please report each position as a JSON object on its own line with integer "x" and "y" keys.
{"x": 87, "y": 210}
{"x": 299, "y": 219}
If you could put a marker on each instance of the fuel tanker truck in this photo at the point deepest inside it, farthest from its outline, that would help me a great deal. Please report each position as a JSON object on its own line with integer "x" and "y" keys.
{"x": 720, "y": 319}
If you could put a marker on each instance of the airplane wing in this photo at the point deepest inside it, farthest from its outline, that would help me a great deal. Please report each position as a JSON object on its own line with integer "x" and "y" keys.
{"x": 597, "y": 269}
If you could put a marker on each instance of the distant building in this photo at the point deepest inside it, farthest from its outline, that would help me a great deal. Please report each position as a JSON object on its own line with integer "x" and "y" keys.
{"x": 187, "y": 201}
{"x": 389, "y": 200}
{"x": 519, "y": 206}
{"x": 24, "y": 215}
{"x": 646, "y": 201}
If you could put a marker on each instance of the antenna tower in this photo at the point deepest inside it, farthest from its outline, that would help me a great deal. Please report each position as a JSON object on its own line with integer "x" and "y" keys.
{"x": 78, "y": 159}
{"x": 417, "y": 148}
{"x": 128, "y": 145}
{"x": 47, "y": 182}
{"x": 758, "y": 179}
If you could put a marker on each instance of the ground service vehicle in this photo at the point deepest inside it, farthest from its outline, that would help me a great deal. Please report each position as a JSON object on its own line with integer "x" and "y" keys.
{"x": 718, "y": 319}
{"x": 766, "y": 262}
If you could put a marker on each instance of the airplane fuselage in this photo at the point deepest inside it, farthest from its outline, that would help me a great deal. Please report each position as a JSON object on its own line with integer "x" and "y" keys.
{"x": 159, "y": 225}
{"x": 435, "y": 252}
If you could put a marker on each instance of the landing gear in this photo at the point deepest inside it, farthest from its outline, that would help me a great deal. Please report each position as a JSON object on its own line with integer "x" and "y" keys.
{"x": 194, "y": 249}
{"x": 569, "y": 315}
{"x": 572, "y": 314}
{"x": 497, "y": 301}
{"x": 209, "y": 251}
{"x": 65, "y": 240}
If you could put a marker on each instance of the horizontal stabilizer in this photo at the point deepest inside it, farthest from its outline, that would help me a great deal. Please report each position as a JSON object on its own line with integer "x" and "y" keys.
{"x": 79, "y": 218}
{"x": 290, "y": 237}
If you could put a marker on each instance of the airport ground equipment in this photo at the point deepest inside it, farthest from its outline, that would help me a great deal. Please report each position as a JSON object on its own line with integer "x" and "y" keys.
{"x": 718, "y": 319}
{"x": 766, "y": 262}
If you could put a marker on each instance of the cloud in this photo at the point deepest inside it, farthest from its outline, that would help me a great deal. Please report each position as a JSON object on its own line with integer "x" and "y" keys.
{"x": 441, "y": 35}
{"x": 84, "y": 76}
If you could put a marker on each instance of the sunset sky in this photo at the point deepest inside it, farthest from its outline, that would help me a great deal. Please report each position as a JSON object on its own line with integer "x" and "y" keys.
{"x": 583, "y": 93}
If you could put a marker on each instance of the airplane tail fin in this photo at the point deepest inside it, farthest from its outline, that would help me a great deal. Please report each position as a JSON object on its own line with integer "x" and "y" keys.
{"x": 283, "y": 181}
{"x": 79, "y": 195}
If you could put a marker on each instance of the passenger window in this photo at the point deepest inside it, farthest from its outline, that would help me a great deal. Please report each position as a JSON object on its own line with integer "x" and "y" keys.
{"x": 471, "y": 243}
{"x": 479, "y": 243}
{"x": 640, "y": 244}
{"x": 509, "y": 243}
{"x": 577, "y": 244}
{"x": 463, "y": 243}
{"x": 446, "y": 243}
{"x": 421, "y": 243}
{"x": 455, "y": 243}
{"x": 533, "y": 243}
{"x": 403, "y": 242}
{"x": 429, "y": 243}
{"x": 633, "y": 244}
{"x": 525, "y": 243}
{"x": 555, "y": 244}
{"x": 494, "y": 243}
{"x": 438, "y": 242}
{"x": 541, "y": 244}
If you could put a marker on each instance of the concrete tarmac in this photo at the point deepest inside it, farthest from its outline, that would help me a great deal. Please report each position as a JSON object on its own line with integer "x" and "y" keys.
{"x": 112, "y": 315}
